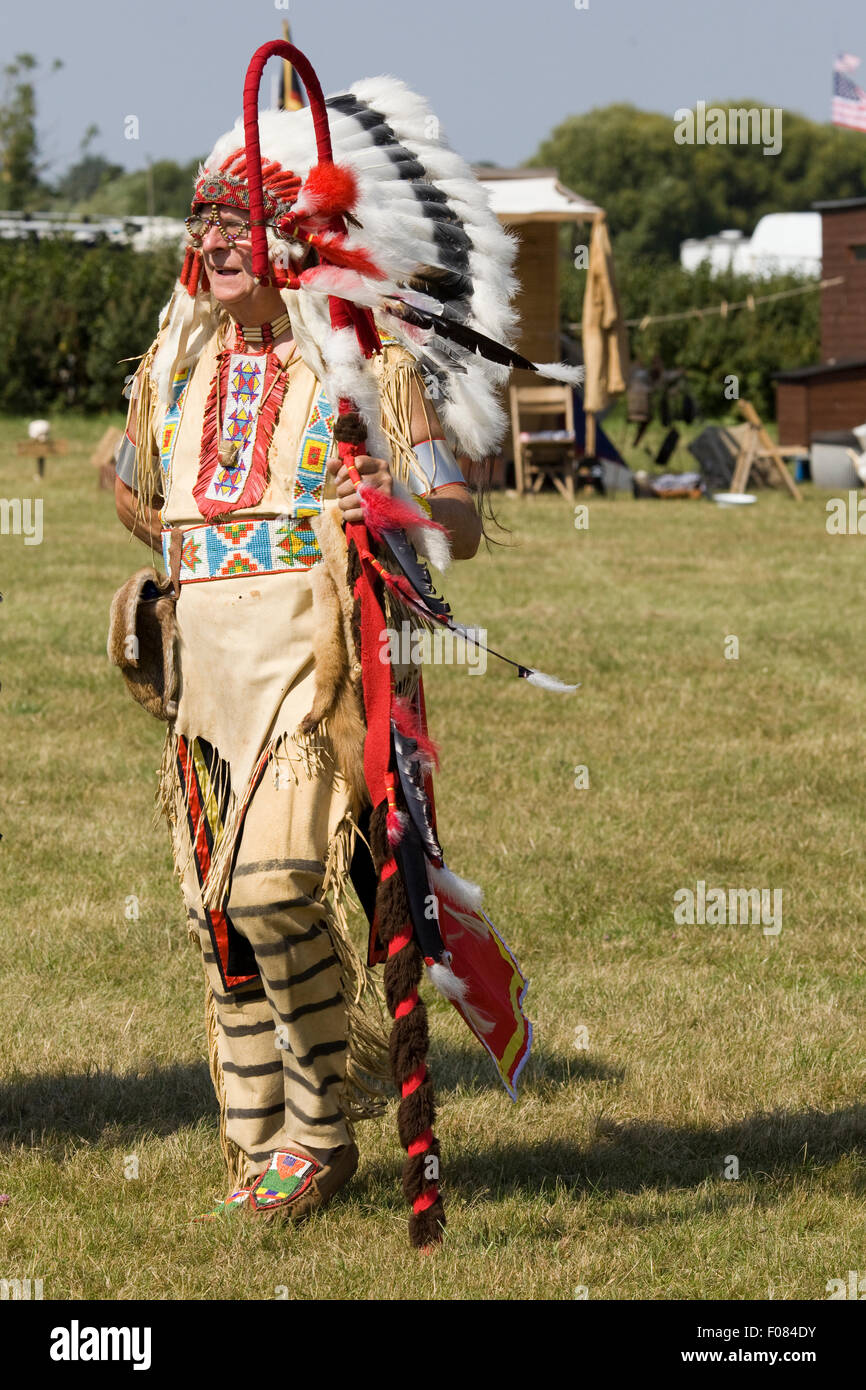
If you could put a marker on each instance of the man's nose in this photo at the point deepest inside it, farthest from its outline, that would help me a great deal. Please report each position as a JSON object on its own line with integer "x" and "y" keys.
{"x": 213, "y": 239}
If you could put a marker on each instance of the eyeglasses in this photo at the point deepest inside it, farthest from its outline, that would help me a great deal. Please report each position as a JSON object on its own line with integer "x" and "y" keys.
{"x": 231, "y": 229}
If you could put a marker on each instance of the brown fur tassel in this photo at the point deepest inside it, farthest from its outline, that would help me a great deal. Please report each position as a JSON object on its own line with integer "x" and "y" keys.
{"x": 338, "y": 706}
{"x": 349, "y": 429}
{"x": 408, "y": 1043}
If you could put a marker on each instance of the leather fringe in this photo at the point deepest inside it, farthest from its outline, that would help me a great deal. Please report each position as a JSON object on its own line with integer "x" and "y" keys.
{"x": 147, "y": 467}
{"x": 367, "y": 1063}
{"x": 337, "y": 705}
{"x": 398, "y": 373}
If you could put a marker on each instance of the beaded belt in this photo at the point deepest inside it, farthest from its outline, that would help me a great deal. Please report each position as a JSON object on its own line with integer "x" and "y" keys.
{"x": 272, "y": 545}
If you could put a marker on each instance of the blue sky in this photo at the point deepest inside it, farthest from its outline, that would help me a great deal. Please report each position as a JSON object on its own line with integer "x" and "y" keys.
{"x": 500, "y": 74}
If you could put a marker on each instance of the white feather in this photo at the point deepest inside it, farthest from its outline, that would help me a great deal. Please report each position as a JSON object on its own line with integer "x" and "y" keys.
{"x": 545, "y": 682}
{"x": 447, "y": 983}
{"x": 558, "y": 371}
{"x": 481, "y": 1022}
{"x": 399, "y": 237}
{"x": 433, "y": 545}
{"x": 454, "y": 889}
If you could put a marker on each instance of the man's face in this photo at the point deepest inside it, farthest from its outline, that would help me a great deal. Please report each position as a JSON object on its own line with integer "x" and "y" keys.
{"x": 229, "y": 264}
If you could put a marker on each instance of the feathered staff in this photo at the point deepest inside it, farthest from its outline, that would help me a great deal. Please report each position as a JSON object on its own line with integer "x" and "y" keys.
{"x": 326, "y": 195}
{"x": 397, "y": 752}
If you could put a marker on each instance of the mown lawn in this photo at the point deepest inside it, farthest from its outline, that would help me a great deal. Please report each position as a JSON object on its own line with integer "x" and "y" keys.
{"x": 663, "y": 1051}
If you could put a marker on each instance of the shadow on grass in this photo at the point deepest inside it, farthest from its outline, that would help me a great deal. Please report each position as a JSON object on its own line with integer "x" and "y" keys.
{"x": 103, "y": 1105}
{"x": 630, "y": 1157}
{"x": 639, "y": 1156}
{"x": 456, "y": 1069}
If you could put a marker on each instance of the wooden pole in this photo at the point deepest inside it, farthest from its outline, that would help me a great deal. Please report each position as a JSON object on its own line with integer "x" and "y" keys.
{"x": 745, "y": 459}
{"x": 287, "y": 69}
{"x": 589, "y": 441}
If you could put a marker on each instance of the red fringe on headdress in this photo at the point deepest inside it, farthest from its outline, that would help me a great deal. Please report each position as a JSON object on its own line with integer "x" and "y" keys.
{"x": 257, "y": 477}
{"x": 281, "y": 186}
{"x": 333, "y": 248}
{"x": 193, "y": 275}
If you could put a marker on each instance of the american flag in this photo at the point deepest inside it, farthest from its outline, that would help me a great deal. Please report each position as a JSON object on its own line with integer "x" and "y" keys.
{"x": 846, "y": 62}
{"x": 849, "y": 100}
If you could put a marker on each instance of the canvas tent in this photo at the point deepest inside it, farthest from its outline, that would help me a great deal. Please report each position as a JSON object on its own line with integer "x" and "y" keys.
{"x": 535, "y": 204}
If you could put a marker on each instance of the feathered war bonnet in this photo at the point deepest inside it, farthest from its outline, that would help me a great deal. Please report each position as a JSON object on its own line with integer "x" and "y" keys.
{"x": 402, "y": 230}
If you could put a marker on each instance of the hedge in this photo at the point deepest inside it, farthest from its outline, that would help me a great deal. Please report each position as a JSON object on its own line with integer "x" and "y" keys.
{"x": 71, "y": 313}
{"x": 750, "y": 345}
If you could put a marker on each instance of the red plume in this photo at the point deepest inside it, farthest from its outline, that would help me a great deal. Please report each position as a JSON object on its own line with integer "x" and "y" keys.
{"x": 328, "y": 189}
{"x": 385, "y": 512}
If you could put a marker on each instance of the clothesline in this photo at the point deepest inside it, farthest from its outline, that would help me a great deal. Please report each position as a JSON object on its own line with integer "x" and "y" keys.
{"x": 751, "y": 302}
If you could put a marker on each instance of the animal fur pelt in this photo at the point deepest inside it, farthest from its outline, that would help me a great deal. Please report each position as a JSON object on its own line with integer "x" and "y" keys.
{"x": 141, "y": 640}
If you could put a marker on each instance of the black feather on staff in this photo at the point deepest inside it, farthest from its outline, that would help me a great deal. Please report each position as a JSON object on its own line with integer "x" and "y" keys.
{"x": 422, "y": 597}
{"x": 470, "y": 338}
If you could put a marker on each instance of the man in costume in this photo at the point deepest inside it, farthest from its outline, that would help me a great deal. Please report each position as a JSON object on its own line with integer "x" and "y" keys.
{"x": 285, "y": 455}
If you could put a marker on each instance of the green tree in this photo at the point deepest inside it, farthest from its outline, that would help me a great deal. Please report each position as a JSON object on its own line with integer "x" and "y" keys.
{"x": 171, "y": 187}
{"x": 751, "y": 345}
{"x": 657, "y": 193}
{"x": 81, "y": 310}
{"x": 20, "y": 185}
{"x": 91, "y": 171}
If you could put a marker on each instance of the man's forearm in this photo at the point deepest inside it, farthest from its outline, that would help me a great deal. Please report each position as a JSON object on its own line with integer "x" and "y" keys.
{"x": 460, "y": 518}
{"x": 146, "y": 526}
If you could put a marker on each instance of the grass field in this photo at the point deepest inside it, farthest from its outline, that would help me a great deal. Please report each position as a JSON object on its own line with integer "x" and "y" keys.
{"x": 663, "y": 1050}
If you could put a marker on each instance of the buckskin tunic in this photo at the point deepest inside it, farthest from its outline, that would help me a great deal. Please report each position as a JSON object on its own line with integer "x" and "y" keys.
{"x": 261, "y": 814}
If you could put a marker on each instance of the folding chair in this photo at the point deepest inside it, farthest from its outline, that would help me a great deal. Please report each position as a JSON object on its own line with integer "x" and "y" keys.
{"x": 540, "y": 453}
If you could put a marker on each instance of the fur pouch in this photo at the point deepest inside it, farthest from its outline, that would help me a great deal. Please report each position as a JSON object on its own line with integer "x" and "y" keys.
{"x": 141, "y": 640}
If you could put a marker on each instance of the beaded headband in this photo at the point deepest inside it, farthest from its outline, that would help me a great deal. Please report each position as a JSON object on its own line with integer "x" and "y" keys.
{"x": 228, "y": 185}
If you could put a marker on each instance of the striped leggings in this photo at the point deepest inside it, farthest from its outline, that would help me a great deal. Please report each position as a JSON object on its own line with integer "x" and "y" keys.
{"x": 282, "y": 1038}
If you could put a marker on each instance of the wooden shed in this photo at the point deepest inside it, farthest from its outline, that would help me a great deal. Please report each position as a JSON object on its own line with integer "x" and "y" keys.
{"x": 534, "y": 204}
{"x": 832, "y": 395}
